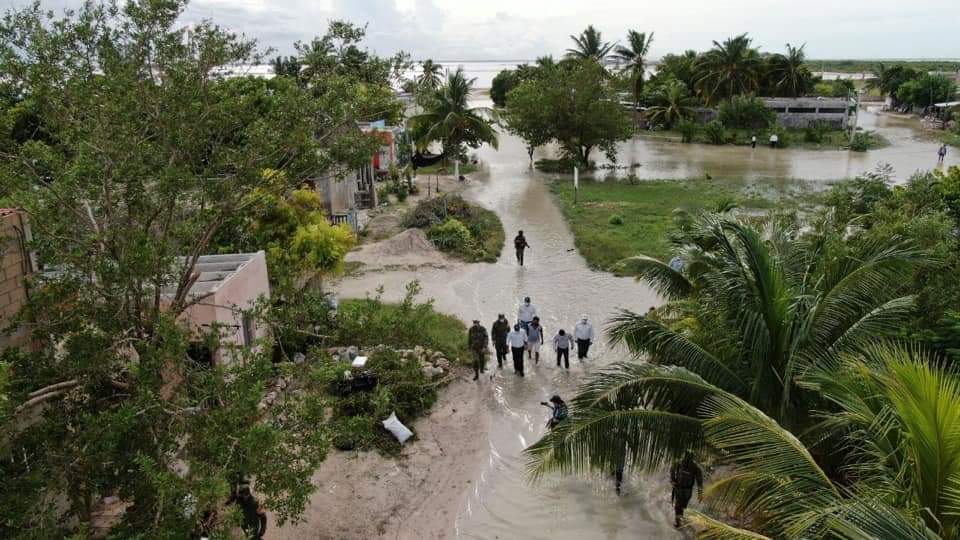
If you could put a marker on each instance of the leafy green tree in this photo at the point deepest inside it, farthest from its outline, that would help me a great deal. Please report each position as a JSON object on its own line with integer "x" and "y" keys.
{"x": 502, "y": 83}
{"x": 286, "y": 66}
{"x": 681, "y": 67}
{"x": 572, "y": 106}
{"x": 634, "y": 59}
{"x": 728, "y": 69}
{"x": 745, "y": 112}
{"x": 590, "y": 45}
{"x": 888, "y": 79}
{"x": 671, "y": 104}
{"x": 450, "y": 120}
{"x": 926, "y": 90}
{"x": 150, "y": 153}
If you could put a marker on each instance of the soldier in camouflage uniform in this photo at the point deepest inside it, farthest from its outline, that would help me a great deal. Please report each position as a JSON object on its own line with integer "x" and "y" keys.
{"x": 477, "y": 341}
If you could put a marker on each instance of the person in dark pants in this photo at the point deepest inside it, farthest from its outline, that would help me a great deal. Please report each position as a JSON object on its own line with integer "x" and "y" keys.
{"x": 683, "y": 476}
{"x": 941, "y": 153}
{"x": 498, "y": 333}
{"x": 477, "y": 341}
{"x": 254, "y": 518}
{"x": 517, "y": 340}
{"x": 618, "y": 477}
{"x": 583, "y": 334}
{"x": 559, "y": 411}
{"x": 520, "y": 244}
{"x": 562, "y": 342}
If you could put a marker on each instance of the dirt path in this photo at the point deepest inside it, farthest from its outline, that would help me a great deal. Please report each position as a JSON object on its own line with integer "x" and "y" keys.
{"x": 363, "y": 495}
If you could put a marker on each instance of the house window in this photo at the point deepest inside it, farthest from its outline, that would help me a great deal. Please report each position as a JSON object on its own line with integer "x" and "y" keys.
{"x": 832, "y": 110}
{"x": 803, "y": 109}
{"x": 780, "y": 109}
{"x": 249, "y": 327}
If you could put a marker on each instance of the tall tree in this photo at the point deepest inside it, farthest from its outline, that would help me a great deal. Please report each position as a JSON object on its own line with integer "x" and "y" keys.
{"x": 573, "y": 106}
{"x": 728, "y": 69}
{"x": 152, "y": 151}
{"x": 450, "y": 120}
{"x": 790, "y": 77}
{"x": 670, "y": 104}
{"x": 590, "y": 44}
{"x": 634, "y": 58}
{"x": 430, "y": 75}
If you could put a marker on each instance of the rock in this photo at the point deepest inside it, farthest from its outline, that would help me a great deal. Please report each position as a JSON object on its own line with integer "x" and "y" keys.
{"x": 299, "y": 358}
{"x": 418, "y": 350}
{"x": 436, "y": 355}
{"x": 352, "y": 352}
{"x": 427, "y": 371}
{"x": 442, "y": 363}
{"x": 281, "y": 383}
{"x": 270, "y": 398}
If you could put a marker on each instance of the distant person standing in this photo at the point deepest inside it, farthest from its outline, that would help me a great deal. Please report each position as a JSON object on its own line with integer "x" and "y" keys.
{"x": 683, "y": 476}
{"x": 498, "y": 333}
{"x": 774, "y": 140}
{"x": 477, "y": 341}
{"x": 562, "y": 342}
{"x": 520, "y": 244}
{"x": 517, "y": 340}
{"x": 941, "y": 153}
{"x": 753, "y": 141}
{"x": 534, "y": 340}
{"x": 583, "y": 334}
{"x": 525, "y": 313}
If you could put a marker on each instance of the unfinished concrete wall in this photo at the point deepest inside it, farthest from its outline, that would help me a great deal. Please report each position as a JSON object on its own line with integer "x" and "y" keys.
{"x": 16, "y": 264}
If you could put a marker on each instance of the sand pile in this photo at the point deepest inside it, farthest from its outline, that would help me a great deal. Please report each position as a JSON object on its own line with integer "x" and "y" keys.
{"x": 411, "y": 247}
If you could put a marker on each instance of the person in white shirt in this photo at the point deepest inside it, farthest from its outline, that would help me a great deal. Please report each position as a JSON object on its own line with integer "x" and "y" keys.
{"x": 583, "y": 334}
{"x": 753, "y": 141}
{"x": 774, "y": 139}
{"x": 526, "y": 313}
{"x": 562, "y": 342}
{"x": 517, "y": 340}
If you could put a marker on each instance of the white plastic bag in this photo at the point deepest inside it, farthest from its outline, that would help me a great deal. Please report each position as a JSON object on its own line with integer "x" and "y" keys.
{"x": 400, "y": 431}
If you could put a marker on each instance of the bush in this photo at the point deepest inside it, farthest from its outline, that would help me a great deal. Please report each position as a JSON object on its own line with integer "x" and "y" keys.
{"x": 398, "y": 387}
{"x": 715, "y": 132}
{"x": 688, "y": 130}
{"x": 616, "y": 219}
{"x": 370, "y": 321}
{"x": 861, "y": 142}
{"x": 451, "y": 235}
{"x": 816, "y": 132}
{"x": 483, "y": 226}
{"x": 745, "y": 112}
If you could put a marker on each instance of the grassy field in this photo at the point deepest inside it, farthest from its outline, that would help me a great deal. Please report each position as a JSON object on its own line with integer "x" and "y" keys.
{"x": 865, "y": 66}
{"x": 465, "y": 168}
{"x": 646, "y": 209}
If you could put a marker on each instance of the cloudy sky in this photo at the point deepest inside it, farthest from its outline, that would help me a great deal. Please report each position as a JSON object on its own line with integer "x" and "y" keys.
{"x": 525, "y": 29}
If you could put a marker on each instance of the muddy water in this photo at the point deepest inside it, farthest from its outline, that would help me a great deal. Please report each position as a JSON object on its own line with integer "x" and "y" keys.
{"x": 501, "y": 503}
{"x": 907, "y": 153}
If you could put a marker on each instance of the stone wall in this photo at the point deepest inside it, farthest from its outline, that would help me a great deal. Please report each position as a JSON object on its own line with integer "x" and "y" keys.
{"x": 15, "y": 265}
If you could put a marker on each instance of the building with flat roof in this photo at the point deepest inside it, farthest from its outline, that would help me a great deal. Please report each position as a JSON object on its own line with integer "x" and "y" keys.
{"x": 806, "y": 111}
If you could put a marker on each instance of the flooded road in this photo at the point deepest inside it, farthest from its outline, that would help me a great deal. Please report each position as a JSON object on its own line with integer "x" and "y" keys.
{"x": 501, "y": 504}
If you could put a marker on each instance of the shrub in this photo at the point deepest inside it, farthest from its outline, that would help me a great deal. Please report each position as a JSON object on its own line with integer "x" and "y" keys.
{"x": 745, "y": 112}
{"x": 451, "y": 235}
{"x": 688, "y": 130}
{"x": 616, "y": 219}
{"x": 815, "y": 132}
{"x": 861, "y": 142}
{"x": 483, "y": 226}
{"x": 715, "y": 132}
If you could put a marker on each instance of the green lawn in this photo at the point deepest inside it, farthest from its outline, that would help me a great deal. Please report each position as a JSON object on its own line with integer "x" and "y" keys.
{"x": 647, "y": 208}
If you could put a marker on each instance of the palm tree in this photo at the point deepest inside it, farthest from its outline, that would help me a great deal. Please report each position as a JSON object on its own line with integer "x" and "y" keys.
{"x": 754, "y": 307}
{"x": 881, "y": 75}
{"x": 790, "y": 77}
{"x": 634, "y": 58}
{"x": 590, "y": 44}
{"x": 450, "y": 120}
{"x": 729, "y": 68}
{"x": 671, "y": 104}
{"x": 430, "y": 75}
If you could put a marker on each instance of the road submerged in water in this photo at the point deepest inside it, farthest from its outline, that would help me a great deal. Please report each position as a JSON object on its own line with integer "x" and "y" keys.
{"x": 502, "y": 503}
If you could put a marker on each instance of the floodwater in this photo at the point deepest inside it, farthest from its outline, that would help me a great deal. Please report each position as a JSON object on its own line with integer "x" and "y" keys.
{"x": 907, "y": 153}
{"x": 502, "y": 503}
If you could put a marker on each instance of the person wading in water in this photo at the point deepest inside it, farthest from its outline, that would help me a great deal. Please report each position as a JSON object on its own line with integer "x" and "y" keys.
{"x": 498, "y": 333}
{"x": 559, "y": 411}
{"x": 517, "y": 340}
{"x": 477, "y": 341}
{"x": 520, "y": 243}
{"x": 683, "y": 476}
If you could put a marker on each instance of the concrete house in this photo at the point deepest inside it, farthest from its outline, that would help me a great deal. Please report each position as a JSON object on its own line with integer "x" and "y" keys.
{"x": 225, "y": 286}
{"x": 804, "y": 112}
{"x": 16, "y": 266}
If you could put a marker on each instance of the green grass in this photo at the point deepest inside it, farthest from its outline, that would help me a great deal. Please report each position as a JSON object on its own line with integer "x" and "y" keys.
{"x": 646, "y": 208}
{"x": 952, "y": 138}
{"x": 483, "y": 239}
{"x": 465, "y": 168}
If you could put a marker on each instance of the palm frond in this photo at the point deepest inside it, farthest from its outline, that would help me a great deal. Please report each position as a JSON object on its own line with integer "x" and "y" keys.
{"x": 711, "y": 529}
{"x": 668, "y": 283}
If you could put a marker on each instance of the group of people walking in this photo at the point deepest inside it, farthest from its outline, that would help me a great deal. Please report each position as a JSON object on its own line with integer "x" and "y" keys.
{"x": 526, "y": 337}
